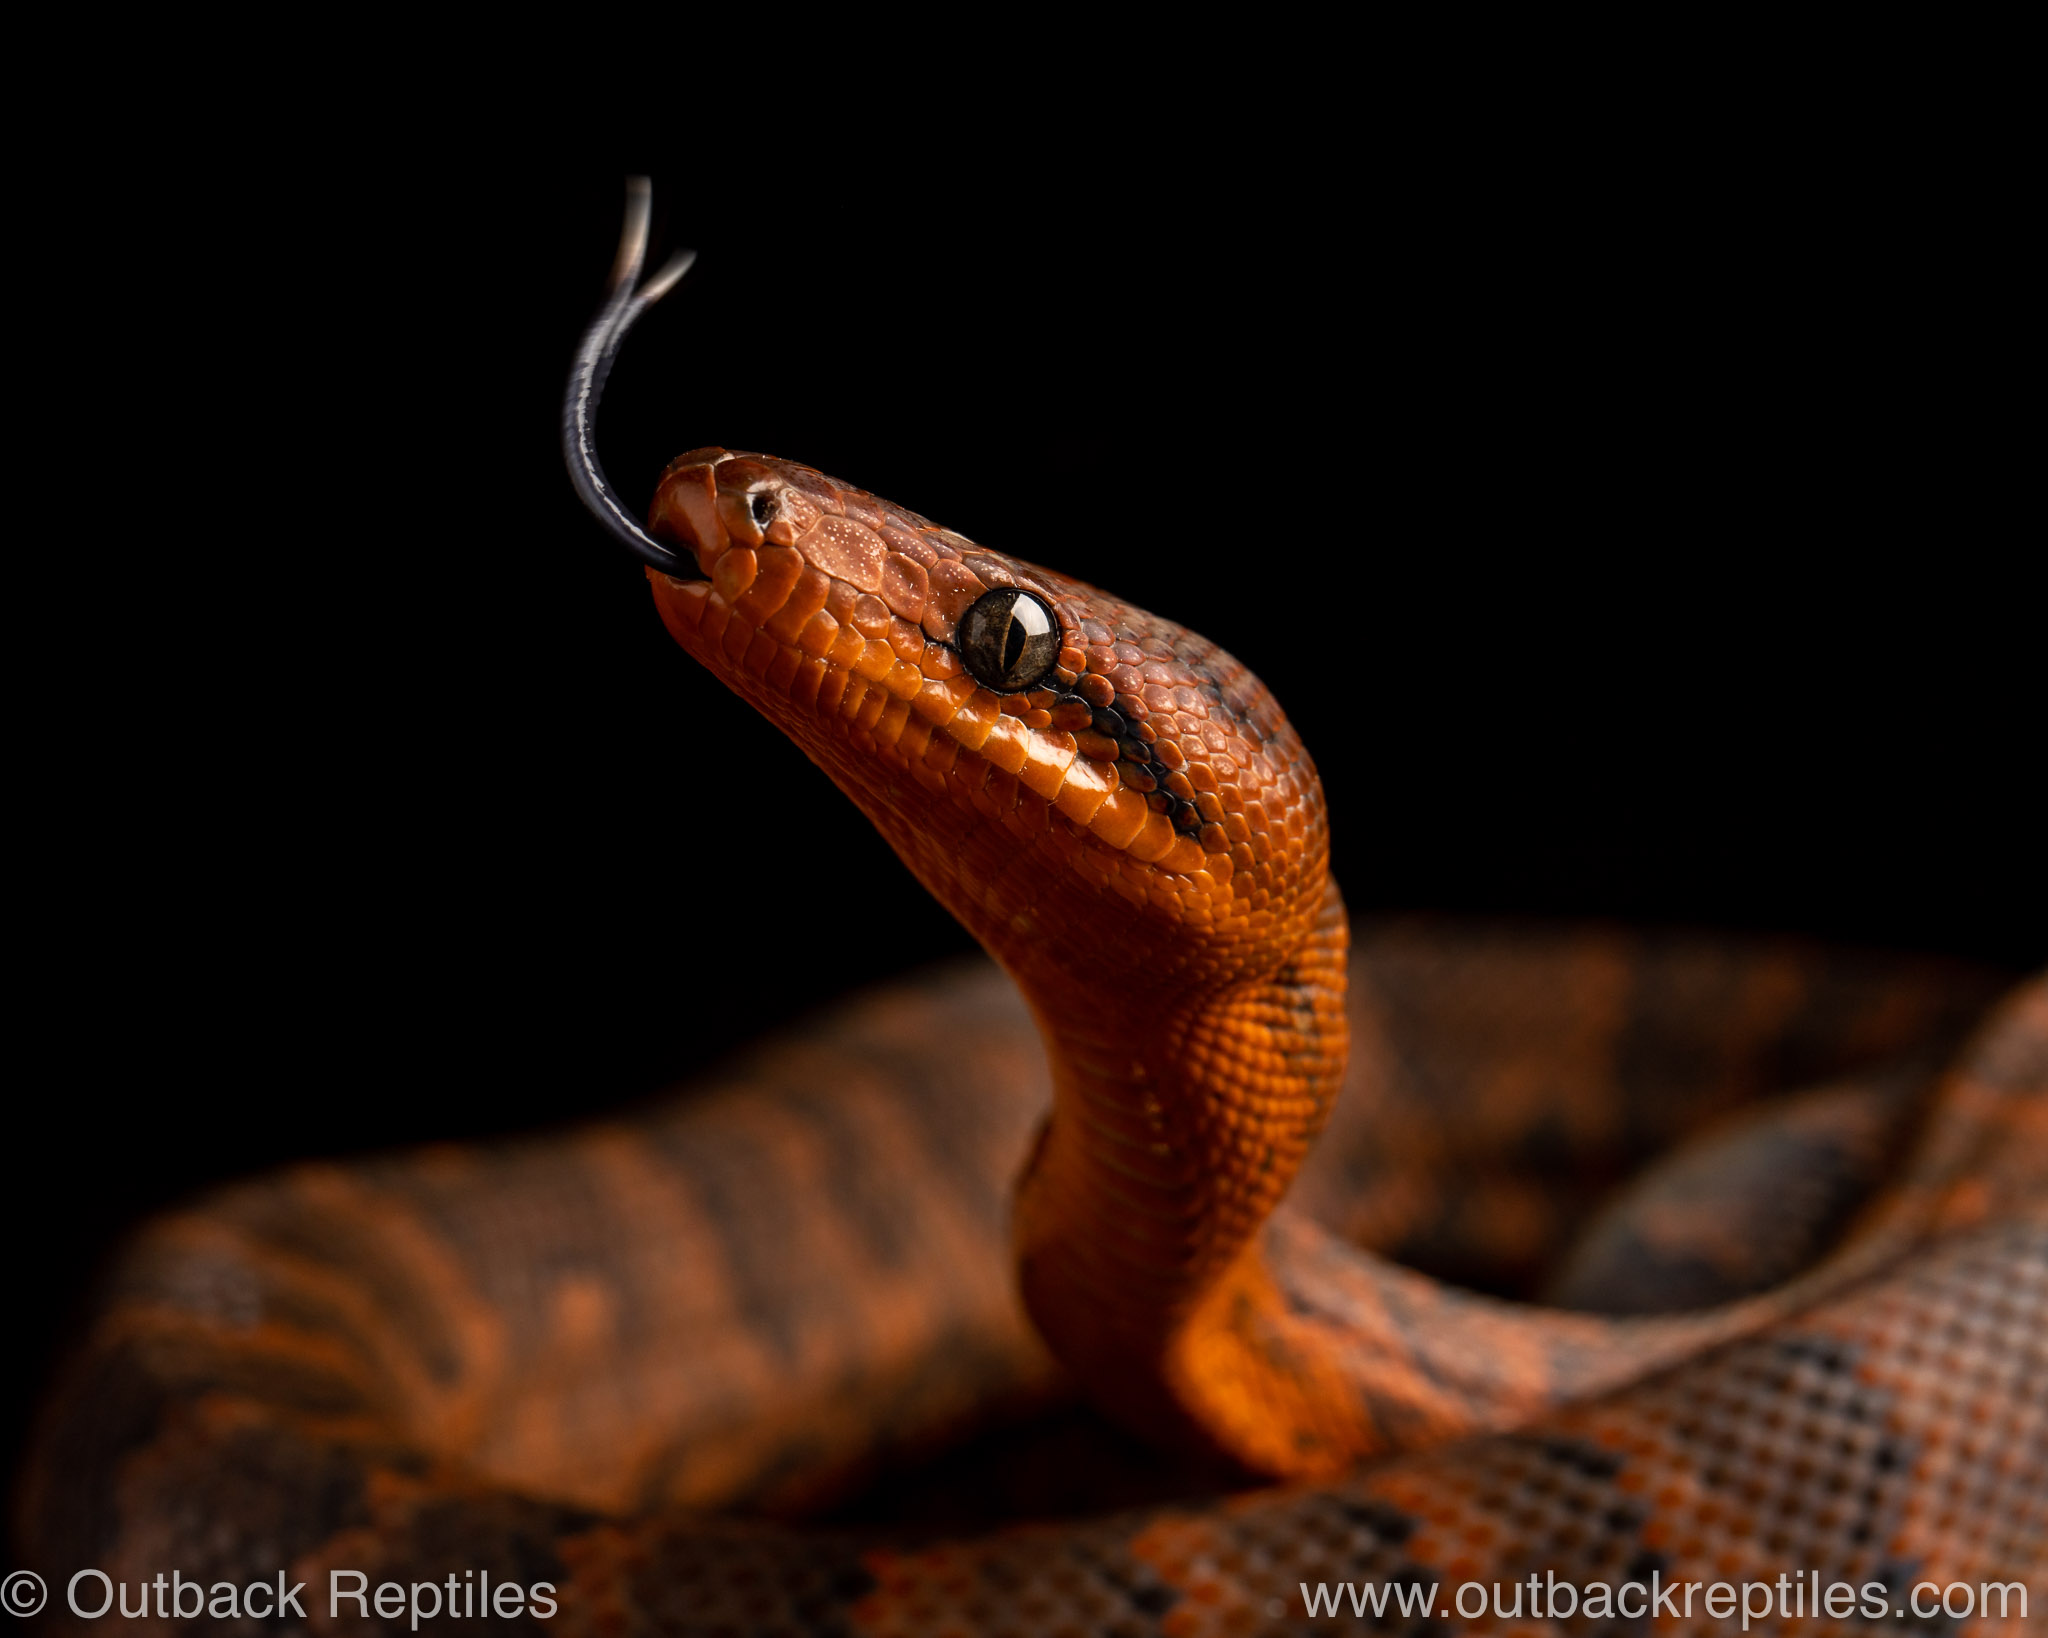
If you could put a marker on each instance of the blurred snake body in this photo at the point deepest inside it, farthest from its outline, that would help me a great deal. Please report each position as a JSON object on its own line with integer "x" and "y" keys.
{"x": 624, "y": 1360}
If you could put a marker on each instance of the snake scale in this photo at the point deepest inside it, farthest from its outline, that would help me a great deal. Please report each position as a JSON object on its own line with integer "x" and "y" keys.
{"x": 644, "y": 1360}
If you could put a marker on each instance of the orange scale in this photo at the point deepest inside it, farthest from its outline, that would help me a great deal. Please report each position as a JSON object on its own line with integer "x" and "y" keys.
{"x": 1126, "y": 889}
{"x": 1154, "y": 840}
{"x": 1088, "y": 865}
{"x": 903, "y": 681}
{"x": 717, "y": 612}
{"x": 1046, "y": 761}
{"x": 890, "y": 720}
{"x": 905, "y": 584}
{"x": 839, "y": 600}
{"x": 877, "y": 659}
{"x": 782, "y": 672}
{"x": 820, "y": 634}
{"x": 760, "y": 654}
{"x": 1008, "y": 745}
{"x": 810, "y": 674}
{"x": 1095, "y": 689}
{"x": 900, "y": 534}
{"x": 939, "y": 702}
{"x": 847, "y": 551}
{"x": 907, "y": 640}
{"x": 1081, "y": 796}
{"x": 681, "y": 602}
{"x": 972, "y": 722}
{"x": 735, "y": 639}
{"x": 789, "y": 611}
{"x": 847, "y": 647}
{"x": 735, "y": 580}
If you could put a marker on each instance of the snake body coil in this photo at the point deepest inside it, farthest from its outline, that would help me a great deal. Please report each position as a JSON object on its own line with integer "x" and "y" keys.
{"x": 1824, "y": 1327}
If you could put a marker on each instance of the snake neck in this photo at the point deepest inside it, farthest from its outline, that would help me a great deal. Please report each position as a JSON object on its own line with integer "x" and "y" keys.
{"x": 1178, "y": 1123}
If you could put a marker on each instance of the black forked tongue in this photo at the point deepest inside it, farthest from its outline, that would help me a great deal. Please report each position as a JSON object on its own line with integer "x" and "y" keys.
{"x": 594, "y": 354}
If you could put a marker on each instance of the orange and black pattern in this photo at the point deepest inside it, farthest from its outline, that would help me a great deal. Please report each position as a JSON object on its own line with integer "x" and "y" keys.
{"x": 503, "y": 1357}
{"x": 635, "y": 1359}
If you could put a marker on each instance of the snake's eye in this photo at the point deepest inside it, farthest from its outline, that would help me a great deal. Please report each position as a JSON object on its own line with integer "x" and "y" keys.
{"x": 1009, "y": 639}
{"x": 762, "y": 505}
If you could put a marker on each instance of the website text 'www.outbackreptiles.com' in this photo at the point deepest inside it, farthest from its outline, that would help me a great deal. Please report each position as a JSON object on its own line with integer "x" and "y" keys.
{"x": 1792, "y": 1596}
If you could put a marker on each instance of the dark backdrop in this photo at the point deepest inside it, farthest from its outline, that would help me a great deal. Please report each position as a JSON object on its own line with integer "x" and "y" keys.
{"x": 1628, "y": 539}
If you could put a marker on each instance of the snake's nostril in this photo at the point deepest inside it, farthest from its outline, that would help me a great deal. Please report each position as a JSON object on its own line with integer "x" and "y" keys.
{"x": 763, "y": 508}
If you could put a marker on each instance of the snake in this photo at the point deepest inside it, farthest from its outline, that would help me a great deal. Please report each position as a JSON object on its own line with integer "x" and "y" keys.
{"x": 1405, "y": 1254}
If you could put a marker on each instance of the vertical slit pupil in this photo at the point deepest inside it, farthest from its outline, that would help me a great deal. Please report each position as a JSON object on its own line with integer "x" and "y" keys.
{"x": 1009, "y": 639}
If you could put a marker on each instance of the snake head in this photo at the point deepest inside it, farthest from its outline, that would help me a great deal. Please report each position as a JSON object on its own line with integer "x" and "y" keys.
{"x": 1082, "y": 783}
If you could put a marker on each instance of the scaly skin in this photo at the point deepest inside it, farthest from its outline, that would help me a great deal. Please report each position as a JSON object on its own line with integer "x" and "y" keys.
{"x": 1188, "y": 980}
{"x": 550, "y": 1359}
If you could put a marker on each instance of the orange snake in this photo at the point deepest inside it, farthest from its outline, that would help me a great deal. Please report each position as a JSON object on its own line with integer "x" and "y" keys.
{"x": 568, "y": 1357}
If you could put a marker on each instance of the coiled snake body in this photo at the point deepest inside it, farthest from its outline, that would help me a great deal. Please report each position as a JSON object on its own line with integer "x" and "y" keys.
{"x": 1812, "y": 1340}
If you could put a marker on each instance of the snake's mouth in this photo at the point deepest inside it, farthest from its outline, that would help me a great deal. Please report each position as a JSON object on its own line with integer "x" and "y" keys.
{"x": 697, "y": 526}
{"x": 686, "y": 568}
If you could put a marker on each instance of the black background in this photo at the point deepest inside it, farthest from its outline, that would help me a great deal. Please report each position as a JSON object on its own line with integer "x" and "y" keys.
{"x": 1629, "y": 529}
